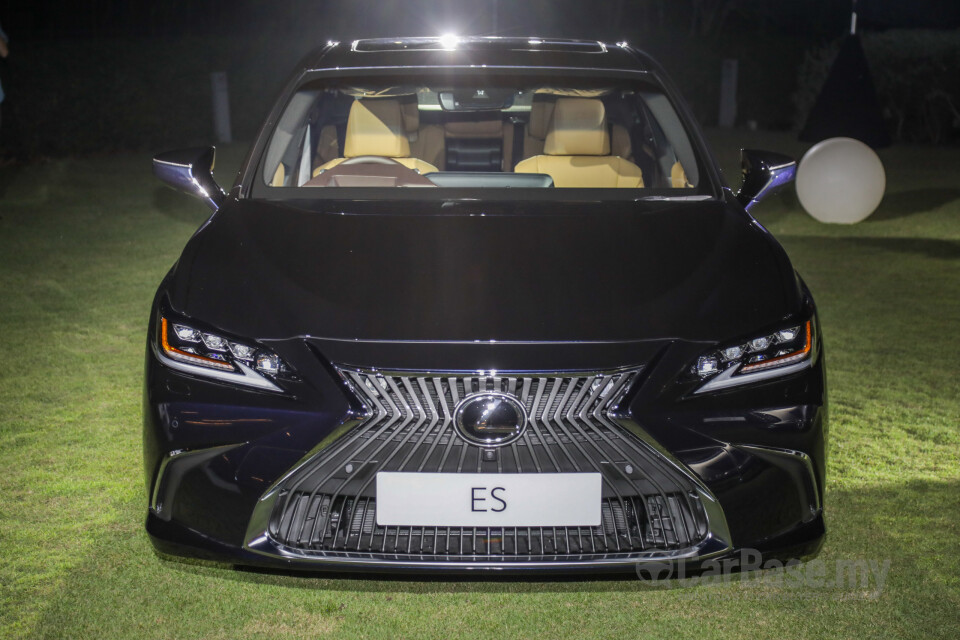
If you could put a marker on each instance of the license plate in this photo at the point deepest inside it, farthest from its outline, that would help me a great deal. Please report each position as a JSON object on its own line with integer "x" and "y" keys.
{"x": 488, "y": 499}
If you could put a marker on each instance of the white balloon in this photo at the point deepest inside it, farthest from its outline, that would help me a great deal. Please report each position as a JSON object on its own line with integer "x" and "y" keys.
{"x": 840, "y": 180}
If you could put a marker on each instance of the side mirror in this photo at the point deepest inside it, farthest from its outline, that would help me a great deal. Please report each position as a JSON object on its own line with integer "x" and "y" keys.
{"x": 190, "y": 171}
{"x": 764, "y": 173}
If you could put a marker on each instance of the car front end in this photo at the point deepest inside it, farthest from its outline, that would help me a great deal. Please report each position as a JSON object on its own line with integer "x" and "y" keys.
{"x": 357, "y": 365}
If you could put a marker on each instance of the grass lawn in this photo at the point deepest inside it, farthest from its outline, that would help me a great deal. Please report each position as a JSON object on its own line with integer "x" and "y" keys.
{"x": 83, "y": 244}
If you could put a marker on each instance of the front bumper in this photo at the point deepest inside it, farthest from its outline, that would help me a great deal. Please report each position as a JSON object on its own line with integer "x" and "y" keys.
{"x": 174, "y": 540}
{"x": 222, "y": 464}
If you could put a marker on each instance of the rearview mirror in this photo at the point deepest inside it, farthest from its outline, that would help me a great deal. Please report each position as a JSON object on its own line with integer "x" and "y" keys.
{"x": 764, "y": 173}
{"x": 190, "y": 171}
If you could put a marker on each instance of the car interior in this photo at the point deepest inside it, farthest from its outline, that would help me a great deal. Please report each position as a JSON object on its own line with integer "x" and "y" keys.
{"x": 480, "y": 137}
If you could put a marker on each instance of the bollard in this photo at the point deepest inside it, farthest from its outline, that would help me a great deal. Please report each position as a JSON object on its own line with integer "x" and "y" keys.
{"x": 221, "y": 106}
{"x": 728, "y": 93}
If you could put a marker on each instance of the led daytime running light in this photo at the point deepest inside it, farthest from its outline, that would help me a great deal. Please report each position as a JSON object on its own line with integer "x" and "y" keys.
{"x": 786, "y": 359}
{"x": 190, "y": 358}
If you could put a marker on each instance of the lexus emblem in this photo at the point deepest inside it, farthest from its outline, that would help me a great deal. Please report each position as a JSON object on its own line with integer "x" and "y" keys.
{"x": 490, "y": 419}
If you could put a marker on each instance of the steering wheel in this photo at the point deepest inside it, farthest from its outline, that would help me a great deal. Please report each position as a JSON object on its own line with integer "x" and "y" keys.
{"x": 369, "y": 160}
{"x": 369, "y": 171}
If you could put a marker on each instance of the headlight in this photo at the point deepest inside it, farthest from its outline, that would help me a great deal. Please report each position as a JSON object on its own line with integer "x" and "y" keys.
{"x": 779, "y": 353}
{"x": 185, "y": 347}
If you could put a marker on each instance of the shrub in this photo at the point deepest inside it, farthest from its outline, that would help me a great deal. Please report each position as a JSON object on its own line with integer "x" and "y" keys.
{"x": 915, "y": 73}
{"x": 67, "y": 97}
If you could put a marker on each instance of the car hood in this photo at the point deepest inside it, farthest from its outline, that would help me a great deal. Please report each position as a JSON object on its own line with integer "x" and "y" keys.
{"x": 472, "y": 271}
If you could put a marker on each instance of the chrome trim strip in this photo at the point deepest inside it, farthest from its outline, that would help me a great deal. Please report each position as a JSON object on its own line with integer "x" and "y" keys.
{"x": 484, "y": 373}
{"x": 191, "y": 170}
{"x": 726, "y": 379}
{"x": 627, "y": 341}
{"x": 155, "y": 496}
{"x": 717, "y": 527}
{"x": 797, "y": 456}
{"x": 155, "y": 505}
{"x": 248, "y": 377}
{"x": 338, "y": 71}
{"x": 573, "y": 45}
{"x": 716, "y": 541}
{"x": 697, "y": 198}
{"x": 710, "y": 547}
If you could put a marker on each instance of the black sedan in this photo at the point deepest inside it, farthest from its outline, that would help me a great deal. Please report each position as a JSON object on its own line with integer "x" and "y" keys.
{"x": 482, "y": 304}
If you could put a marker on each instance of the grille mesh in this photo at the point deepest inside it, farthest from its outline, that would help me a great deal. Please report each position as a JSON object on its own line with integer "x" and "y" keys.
{"x": 328, "y": 506}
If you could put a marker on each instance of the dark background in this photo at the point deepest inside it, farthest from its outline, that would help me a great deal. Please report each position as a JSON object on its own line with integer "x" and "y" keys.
{"x": 601, "y": 19}
{"x": 111, "y": 74}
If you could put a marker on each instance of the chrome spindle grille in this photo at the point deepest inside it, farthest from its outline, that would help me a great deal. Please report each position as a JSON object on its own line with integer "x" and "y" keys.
{"x": 328, "y": 506}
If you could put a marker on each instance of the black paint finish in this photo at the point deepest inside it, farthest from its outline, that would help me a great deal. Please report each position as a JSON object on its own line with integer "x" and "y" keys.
{"x": 513, "y": 284}
{"x": 554, "y": 271}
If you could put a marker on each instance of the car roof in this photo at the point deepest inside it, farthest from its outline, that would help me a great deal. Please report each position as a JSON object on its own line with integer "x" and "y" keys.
{"x": 478, "y": 51}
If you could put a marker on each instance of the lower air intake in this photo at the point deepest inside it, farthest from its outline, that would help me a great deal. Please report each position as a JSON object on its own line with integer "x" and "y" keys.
{"x": 350, "y": 525}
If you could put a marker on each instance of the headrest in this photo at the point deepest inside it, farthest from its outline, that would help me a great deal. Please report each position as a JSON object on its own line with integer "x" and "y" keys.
{"x": 375, "y": 128}
{"x": 540, "y": 113}
{"x": 411, "y": 116}
{"x": 578, "y": 128}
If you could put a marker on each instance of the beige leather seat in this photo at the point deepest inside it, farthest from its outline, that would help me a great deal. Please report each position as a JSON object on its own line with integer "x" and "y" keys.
{"x": 426, "y": 141}
{"x": 535, "y": 134}
{"x": 328, "y": 148}
{"x": 375, "y": 128}
{"x": 576, "y": 152}
{"x": 541, "y": 113}
{"x": 678, "y": 177}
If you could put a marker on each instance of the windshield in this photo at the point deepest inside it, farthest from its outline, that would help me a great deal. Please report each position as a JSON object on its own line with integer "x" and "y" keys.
{"x": 479, "y": 133}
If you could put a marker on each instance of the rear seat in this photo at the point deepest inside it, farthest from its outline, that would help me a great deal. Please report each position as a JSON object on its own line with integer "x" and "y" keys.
{"x": 535, "y": 134}
{"x": 426, "y": 141}
{"x": 475, "y": 144}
